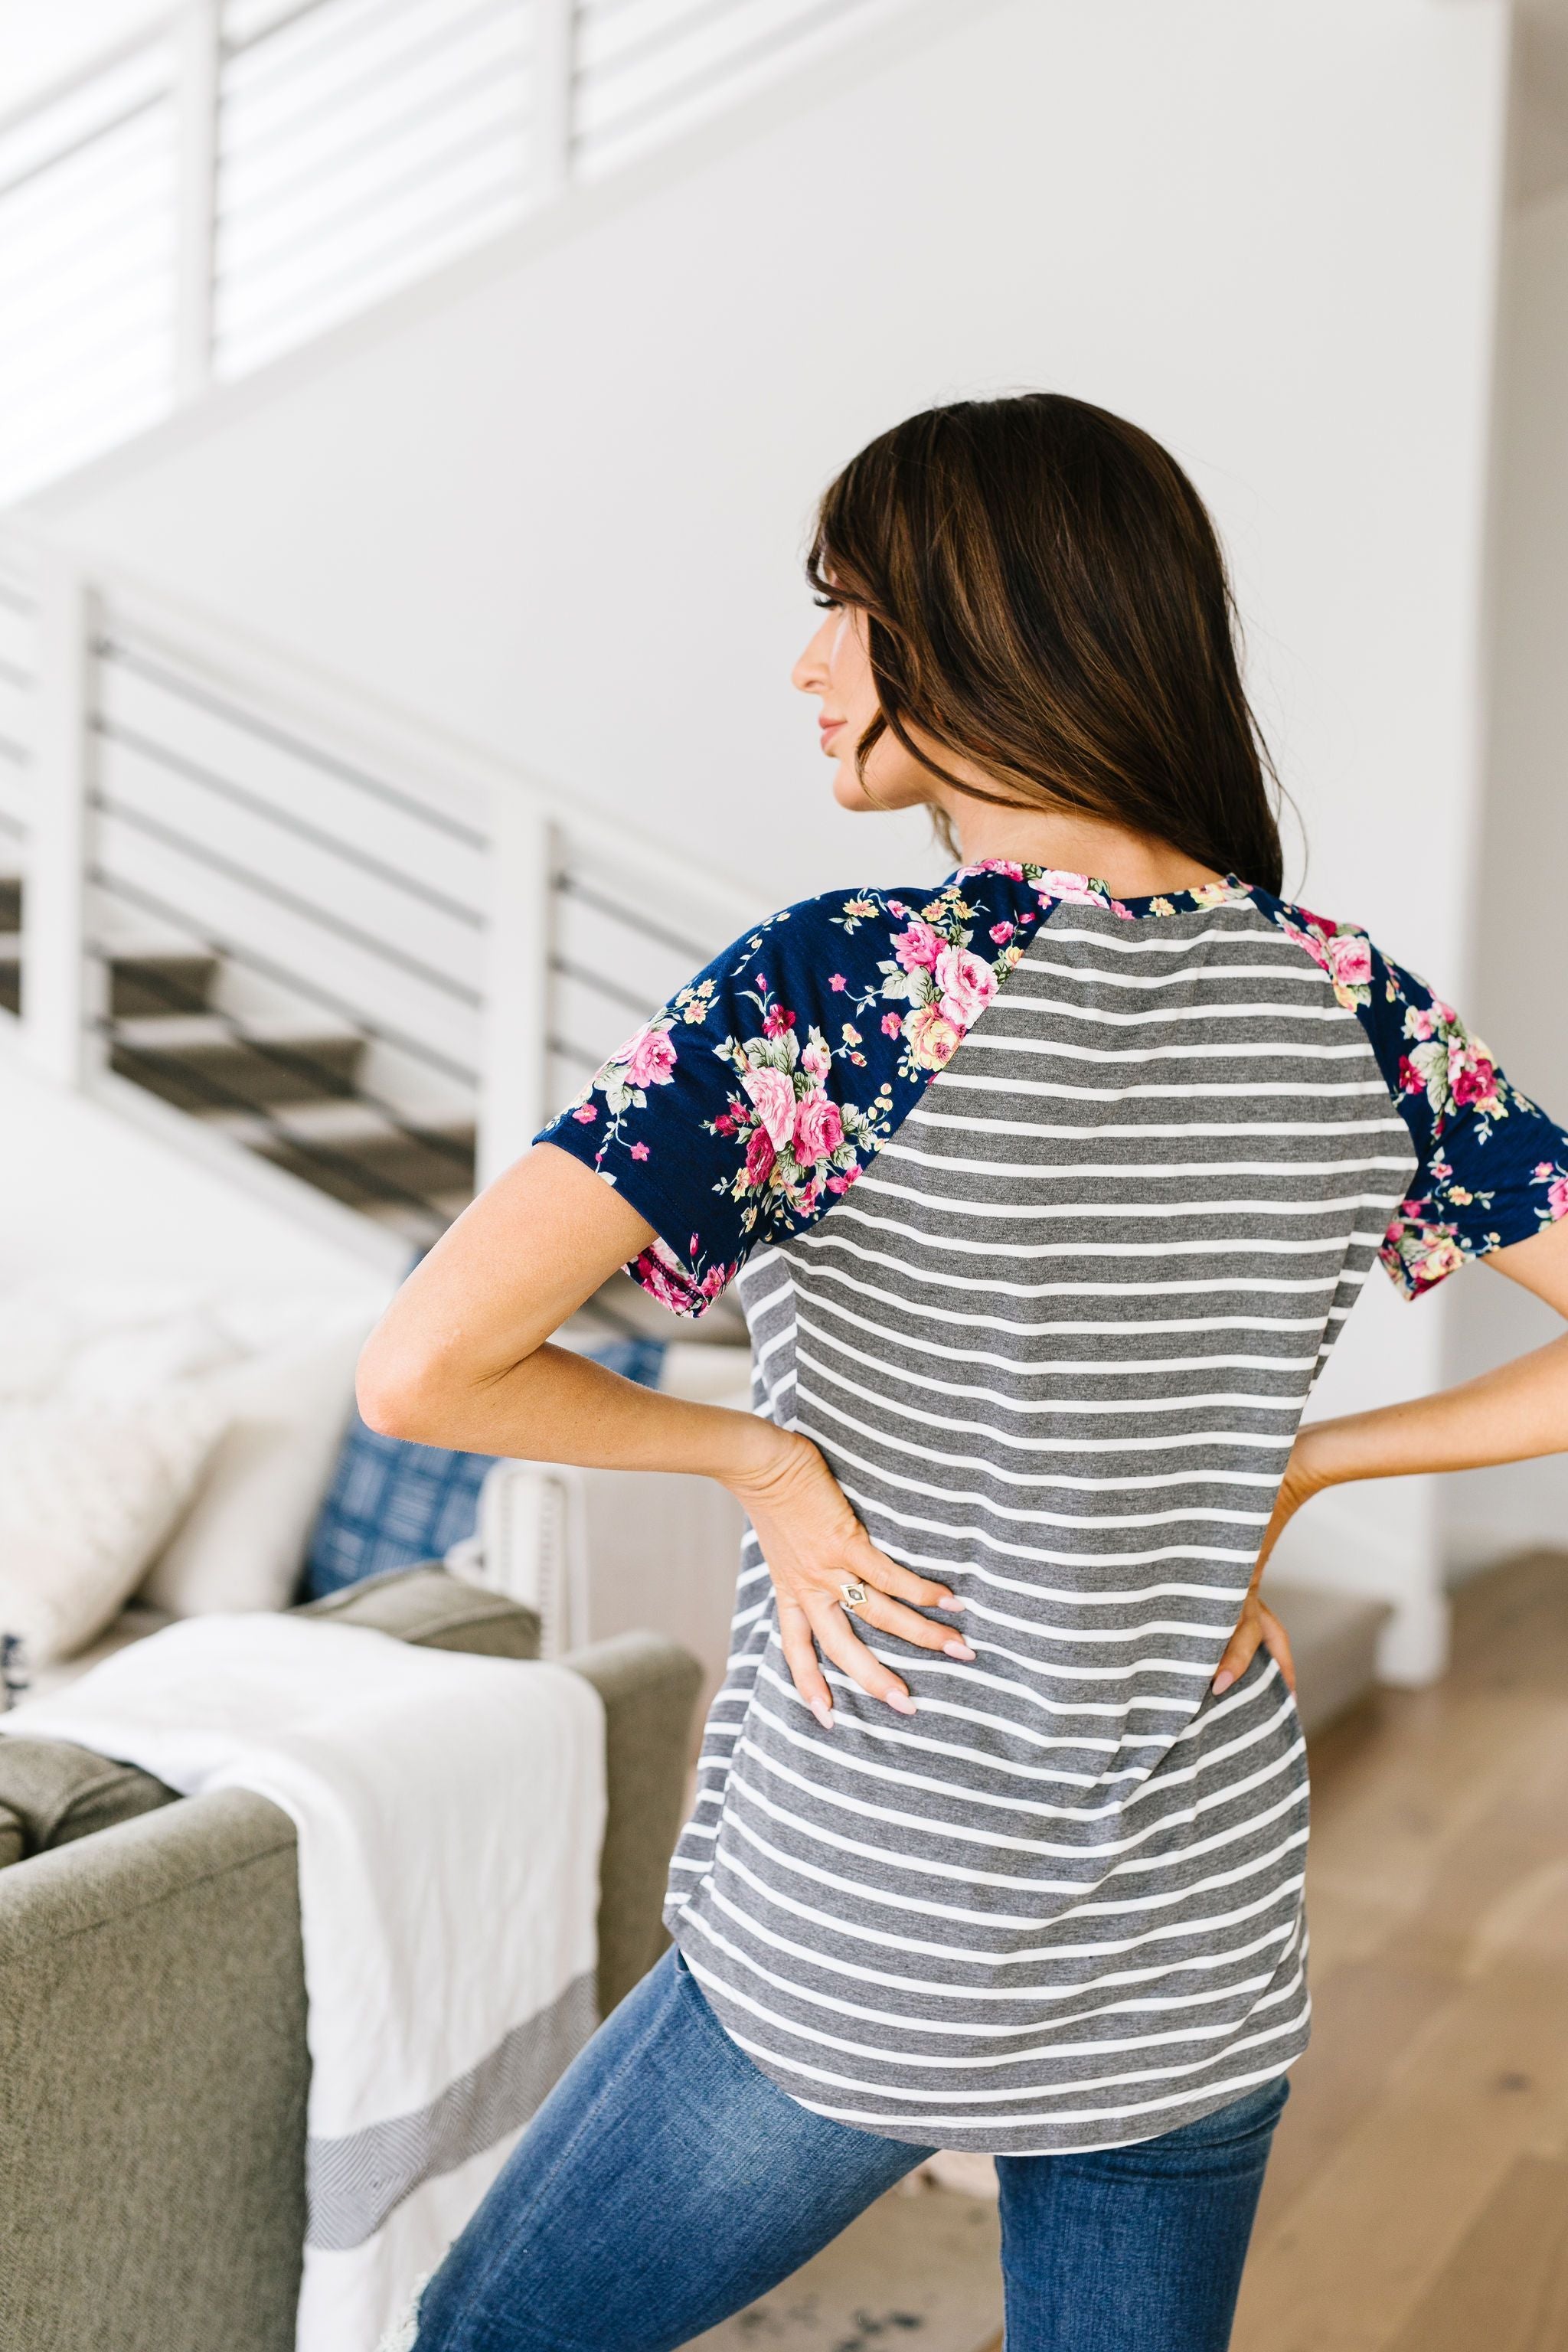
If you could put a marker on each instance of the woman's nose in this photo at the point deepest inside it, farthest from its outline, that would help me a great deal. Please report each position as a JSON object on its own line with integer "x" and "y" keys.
{"x": 810, "y": 671}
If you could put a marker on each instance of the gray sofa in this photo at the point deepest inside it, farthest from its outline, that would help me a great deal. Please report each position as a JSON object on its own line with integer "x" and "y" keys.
{"x": 152, "y": 2065}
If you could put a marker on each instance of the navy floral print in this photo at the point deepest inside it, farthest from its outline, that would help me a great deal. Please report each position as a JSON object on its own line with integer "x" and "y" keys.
{"x": 1493, "y": 1168}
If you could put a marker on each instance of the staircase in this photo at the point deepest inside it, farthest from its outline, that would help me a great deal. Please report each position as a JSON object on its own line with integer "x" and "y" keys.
{"x": 350, "y": 959}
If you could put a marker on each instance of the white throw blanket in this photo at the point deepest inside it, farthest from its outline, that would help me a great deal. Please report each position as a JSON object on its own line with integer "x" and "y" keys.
{"x": 450, "y": 1811}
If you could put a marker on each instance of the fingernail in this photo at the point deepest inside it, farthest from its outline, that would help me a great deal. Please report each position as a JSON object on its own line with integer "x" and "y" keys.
{"x": 823, "y": 1712}
{"x": 952, "y": 1602}
{"x": 957, "y": 1649}
{"x": 1223, "y": 1680}
{"x": 903, "y": 1706}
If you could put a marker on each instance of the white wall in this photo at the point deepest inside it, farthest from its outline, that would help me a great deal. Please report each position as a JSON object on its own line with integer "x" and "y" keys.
{"x": 562, "y": 511}
{"x": 1518, "y": 994}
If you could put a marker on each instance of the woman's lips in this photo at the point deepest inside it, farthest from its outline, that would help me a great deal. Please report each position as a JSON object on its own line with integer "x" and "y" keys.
{"x": 829, "y": 728}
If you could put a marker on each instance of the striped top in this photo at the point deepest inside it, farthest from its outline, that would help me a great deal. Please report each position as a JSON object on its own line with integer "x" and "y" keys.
{"x": 1053, "y": 1333}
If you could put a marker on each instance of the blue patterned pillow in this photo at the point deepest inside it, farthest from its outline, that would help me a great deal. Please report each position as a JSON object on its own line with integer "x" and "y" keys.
{"x": 392, "y": 1504}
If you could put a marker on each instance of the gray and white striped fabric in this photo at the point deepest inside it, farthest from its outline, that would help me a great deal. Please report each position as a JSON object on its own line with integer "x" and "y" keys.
{"x": 1055, "y": 1344}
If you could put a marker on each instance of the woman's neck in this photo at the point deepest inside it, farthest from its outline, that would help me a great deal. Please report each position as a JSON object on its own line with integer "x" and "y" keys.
{"x": 1132, "y": 864}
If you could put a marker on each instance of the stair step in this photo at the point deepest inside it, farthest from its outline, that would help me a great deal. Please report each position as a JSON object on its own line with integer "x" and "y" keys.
{"x": 152, "y": 982}
{"x": 1334, "y": 1639}
{"x": 370, "y": 1157}
{"x": 159, "y": 982}
{"x": 195, "y": 1062}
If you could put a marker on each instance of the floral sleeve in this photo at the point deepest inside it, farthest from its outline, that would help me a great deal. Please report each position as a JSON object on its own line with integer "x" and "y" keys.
{"x": 751, "y": 1101}
{"x": 1493, "y": 1169}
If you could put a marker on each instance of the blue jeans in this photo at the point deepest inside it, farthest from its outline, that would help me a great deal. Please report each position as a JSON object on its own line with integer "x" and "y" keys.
{"x": 666, "y": 2183}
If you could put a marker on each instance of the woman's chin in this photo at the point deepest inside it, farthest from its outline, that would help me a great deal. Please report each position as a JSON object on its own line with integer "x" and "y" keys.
{"x": 850, "y": 793}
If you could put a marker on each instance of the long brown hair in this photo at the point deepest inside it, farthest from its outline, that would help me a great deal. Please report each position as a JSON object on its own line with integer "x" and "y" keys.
{"x": 1047, "y": 598}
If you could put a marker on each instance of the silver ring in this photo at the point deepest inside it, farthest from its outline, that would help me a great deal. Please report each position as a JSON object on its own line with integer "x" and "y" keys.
{"x": 855, "y": 1596}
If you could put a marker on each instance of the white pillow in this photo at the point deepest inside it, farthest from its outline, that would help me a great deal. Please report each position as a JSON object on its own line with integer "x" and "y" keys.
{"x": 116, "y": 1367}
{"x": 86, "y": 1495}
{"x": 89, "y": 1349}
{"x": 241, "y": 1544}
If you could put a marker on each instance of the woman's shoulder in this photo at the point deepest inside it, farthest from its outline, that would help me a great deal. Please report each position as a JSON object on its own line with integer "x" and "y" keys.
{"x": 918, "y": 960}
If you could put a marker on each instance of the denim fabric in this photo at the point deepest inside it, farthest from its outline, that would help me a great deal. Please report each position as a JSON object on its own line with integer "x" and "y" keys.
{"x": 666, "y": 2183}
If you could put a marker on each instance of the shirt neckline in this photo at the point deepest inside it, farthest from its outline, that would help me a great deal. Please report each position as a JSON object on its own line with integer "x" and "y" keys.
{"x": 1054, "y": 883}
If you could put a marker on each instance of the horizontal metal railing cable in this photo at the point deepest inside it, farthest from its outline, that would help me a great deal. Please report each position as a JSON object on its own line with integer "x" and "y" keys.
{"x": 478, "y": 81}
{"x": 207, "y": 696}
{"x": 627, "y": 911}
{"x": 203, "y": 854}
{"x": 612, "y": 991}
{"x": 363, "y": 860}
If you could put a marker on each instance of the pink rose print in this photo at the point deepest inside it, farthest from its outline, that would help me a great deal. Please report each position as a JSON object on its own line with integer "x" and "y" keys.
{"x": 677, "y": 1287}
{"x": 1557, "y": 1197}
{"x": 1073, "y": 889}
{"x": 818, "y": 1129}
{"x": 933, "y": 1040}
{"x": 648, "y": 1058}
{"x": 586, "y": 1115}
{"x": 1472, "y": 1073}
{"x": 760, "y": 1156}
{"x": 816, "y": 1060}
{"x": 966, "y": 984}
{"x": 1420, "y": 1023}
{"x": 893, "y": 1025}
{"x": 842, "y": 1183}
{"x": 919, "y": 949}
{"x": 1349, "y": 961}
{"x": 773, "y": 1092}
{"x": 1002, "y": 932}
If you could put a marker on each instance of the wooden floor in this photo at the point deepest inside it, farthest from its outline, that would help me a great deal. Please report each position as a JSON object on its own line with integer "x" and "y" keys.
{"x": 1417, "y": 2199}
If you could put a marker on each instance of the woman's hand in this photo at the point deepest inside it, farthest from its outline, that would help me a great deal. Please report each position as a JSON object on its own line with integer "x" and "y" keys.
{"x": 814, "y": 1545}
{"x": 1304, "y": 1477}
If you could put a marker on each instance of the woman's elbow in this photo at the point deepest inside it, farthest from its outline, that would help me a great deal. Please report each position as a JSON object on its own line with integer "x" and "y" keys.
{"x": 400, "y": 1390}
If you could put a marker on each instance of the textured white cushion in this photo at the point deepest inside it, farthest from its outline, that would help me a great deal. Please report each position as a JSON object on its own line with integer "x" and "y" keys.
{"x": 242, "y": 1541}
{"x": 86, "y": 1495}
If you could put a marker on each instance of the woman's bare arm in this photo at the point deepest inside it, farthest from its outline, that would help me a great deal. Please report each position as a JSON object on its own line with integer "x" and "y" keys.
{"x": 1511, "y": 1414}
{"x": 461, "y": 1359}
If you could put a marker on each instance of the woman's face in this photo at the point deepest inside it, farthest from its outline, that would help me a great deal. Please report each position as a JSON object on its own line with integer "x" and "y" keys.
{"x": 836, "y": 667}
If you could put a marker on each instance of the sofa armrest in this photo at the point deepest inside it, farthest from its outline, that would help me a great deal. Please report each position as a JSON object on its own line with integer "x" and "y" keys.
{"x": 650, "y": 1690}
{"x": 428, "y": 1606}
{"x": 153, "y": 2058}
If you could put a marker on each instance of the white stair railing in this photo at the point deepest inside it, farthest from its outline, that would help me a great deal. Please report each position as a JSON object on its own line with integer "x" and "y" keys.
{"x": 244, "y": 174}
{"x": 359, "y": 960}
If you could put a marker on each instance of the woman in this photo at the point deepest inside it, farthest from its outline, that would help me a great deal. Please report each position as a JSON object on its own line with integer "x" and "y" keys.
{"x": 1046, "y": 1192}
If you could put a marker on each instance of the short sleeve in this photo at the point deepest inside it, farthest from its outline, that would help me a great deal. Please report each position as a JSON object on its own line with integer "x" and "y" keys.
{"x": 749, "y": 1103}
{"x": 1493, "y": 1168}
{"x": 741, "y": 1108}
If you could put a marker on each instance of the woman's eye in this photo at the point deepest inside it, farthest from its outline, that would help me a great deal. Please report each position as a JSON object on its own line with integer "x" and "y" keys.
{"x": 826, "y": 604}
